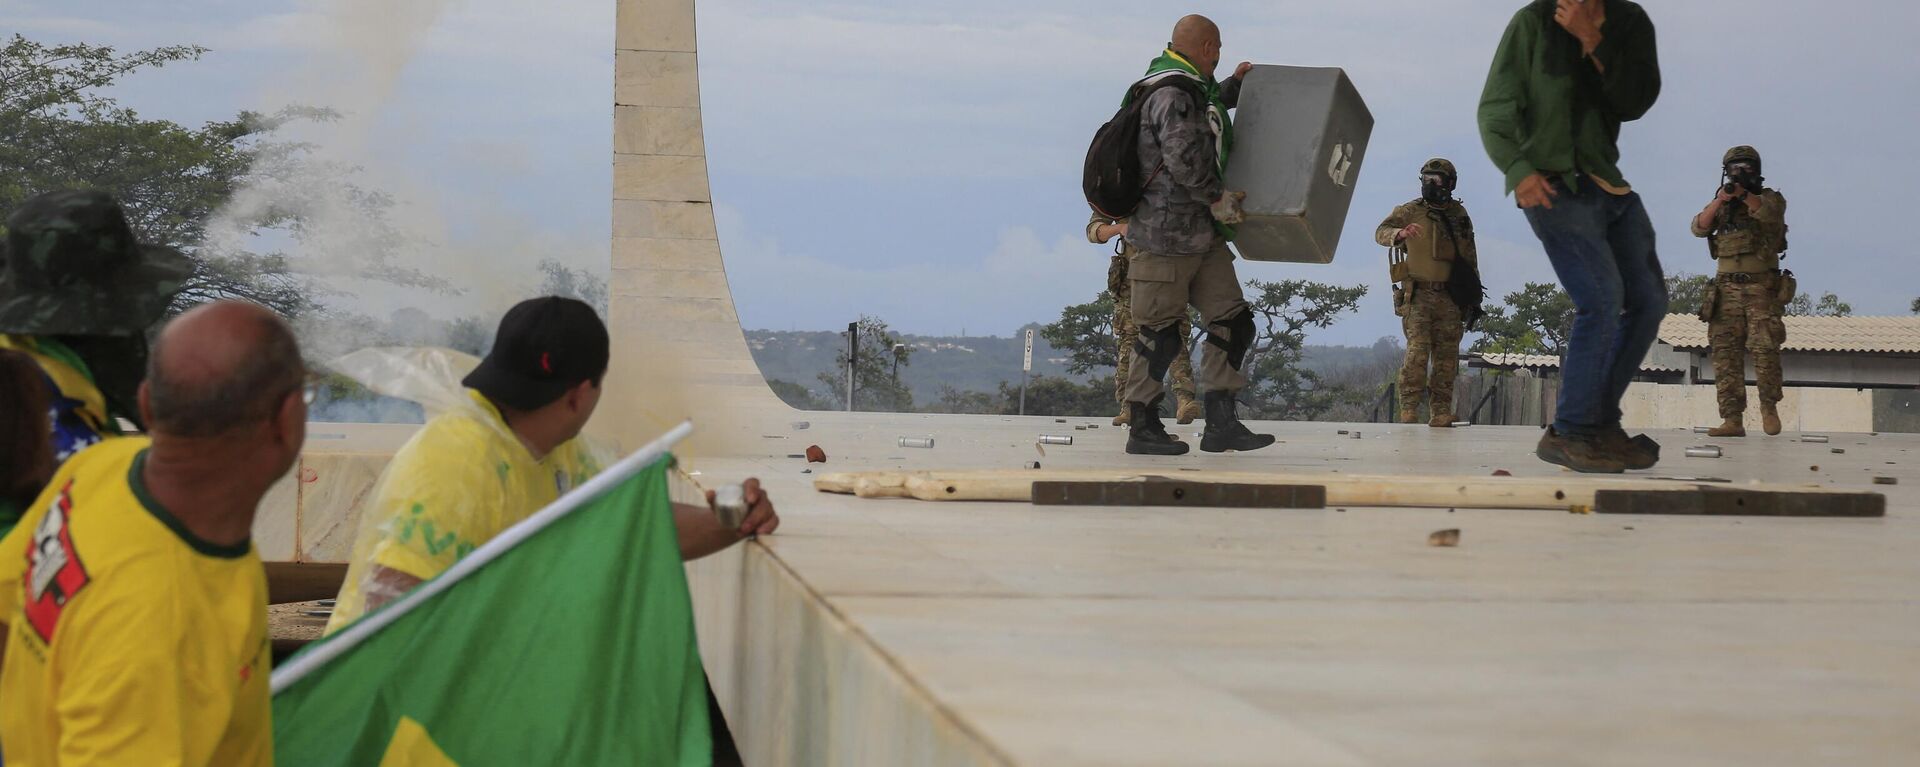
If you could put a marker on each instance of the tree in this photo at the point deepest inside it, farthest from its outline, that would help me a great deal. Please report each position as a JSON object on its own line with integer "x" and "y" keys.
{"x": 1685, "y": 292}
{"x": 559, "y": 280}
{"x": 1829, "y": 305}
{"x": 877, "y": 386}
{"x": 1916, "y": 306}
{"x": 966, "y": 402}
{"x": 1537, "y": 319}
{"x": 1280, "y": 387}
{"x": 795, "y": 395}
{"x": 1059, "y": 395}
{"x": 1085, "y": 332}
{"x": 211, "y": 192}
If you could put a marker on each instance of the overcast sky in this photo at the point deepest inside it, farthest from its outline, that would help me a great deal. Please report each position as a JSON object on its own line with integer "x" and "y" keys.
{"x": 920, "y": 161}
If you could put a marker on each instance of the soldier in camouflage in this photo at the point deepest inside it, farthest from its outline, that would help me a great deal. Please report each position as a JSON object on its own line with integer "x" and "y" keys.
{"x": 1746, "y": 230}
{"x": 1437, "y": 235}
{"x": 1177, "y": 252}
{"x": 77, "y": 294}
{"x": 1101, "y": 230}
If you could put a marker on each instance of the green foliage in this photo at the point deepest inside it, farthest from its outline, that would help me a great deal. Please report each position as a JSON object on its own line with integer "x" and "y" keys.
{"x": 1534, "y": 320}
{"x": 1060, "y": 396}
{"x": 877, "y": 385}
{"x": 795, "y": 395}
{"x": 1829, "y": 305}
{"x": 966, "y": 402}
{"x": 1916, "y": 306}
{"x": 1281, "y": 387}
{"x": 1685, "y": 292}
{"x": 1085, "y": 332}
{"x": 58, "y": 131}
{"x": 581, "y": 284}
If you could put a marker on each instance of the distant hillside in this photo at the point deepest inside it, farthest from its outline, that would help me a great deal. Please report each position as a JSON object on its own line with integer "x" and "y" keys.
{"x": 966, "y": 363}
{"x": 976, "y": 363}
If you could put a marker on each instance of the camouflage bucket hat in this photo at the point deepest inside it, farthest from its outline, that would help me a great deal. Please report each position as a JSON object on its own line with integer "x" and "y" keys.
{"x": 71, "y": 267}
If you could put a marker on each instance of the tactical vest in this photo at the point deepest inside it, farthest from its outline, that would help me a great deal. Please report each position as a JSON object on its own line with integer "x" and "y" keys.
{"x": 1430, "y": 255}
{"x": 1741, "y": 243}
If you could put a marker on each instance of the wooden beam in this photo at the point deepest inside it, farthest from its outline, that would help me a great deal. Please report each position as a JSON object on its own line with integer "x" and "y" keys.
{"x": 1163, "y": 491}
{"x": 1737, "y": 502}
{"x": 303, "y": 581}
{"x": 1571, "y": 492}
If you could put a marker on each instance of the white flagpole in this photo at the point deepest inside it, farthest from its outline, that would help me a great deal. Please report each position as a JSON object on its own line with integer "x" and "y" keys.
{"x": 360, "y": 630}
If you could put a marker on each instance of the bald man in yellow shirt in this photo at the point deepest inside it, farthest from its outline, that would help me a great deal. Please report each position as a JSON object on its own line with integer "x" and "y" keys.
{"x": 135, "y": 601}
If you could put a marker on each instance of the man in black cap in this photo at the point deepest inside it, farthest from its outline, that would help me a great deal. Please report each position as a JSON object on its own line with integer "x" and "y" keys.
{"x": 77, "y": 294}
{"x": 473, "y": 472}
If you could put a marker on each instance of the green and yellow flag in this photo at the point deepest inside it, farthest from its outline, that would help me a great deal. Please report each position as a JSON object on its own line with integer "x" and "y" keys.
{"x": 568, "y": 639}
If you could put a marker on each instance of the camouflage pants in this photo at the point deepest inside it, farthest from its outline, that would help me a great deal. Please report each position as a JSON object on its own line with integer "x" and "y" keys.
{"x": 1744, "y": 323}
{"x": 1434, "y": 327}
{"x": 1124, "y": 330}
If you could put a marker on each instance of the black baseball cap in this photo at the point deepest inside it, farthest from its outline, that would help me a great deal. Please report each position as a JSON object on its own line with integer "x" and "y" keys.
{"x": 544, "y": 347}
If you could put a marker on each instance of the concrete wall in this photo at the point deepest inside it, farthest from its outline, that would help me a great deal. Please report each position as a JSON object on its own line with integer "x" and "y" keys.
{"x": 1672, "y": 406}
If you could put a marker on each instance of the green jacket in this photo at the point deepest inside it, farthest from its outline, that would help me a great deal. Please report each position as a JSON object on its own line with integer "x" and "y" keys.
{"x": 1545, "y": 107}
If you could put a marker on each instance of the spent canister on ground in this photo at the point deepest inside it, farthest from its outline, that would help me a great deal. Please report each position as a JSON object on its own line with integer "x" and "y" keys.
{"x": 1299, "y": 136}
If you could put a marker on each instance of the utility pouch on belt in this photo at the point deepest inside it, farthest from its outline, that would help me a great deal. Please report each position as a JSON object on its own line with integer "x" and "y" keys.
{"x": 1397, "y": 269}
{"x": 1710, "y": 303}
{"x": 1789, "y": 287}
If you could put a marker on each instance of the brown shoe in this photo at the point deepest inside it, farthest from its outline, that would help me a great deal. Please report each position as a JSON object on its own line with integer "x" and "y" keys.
{"x": 1441, "y": 422}
{"x": 1121, "y": 419}
{"x": 1187, "y": 412}
{"x": 1410, "y": 415}
{"x": 1639, "y": 452}
{"x": 1579, "y": 453}
{"x": 1769, "y": 418}
{"x": 1730, "y": 428}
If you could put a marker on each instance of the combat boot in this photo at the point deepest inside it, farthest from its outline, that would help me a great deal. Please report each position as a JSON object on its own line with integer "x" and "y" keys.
{"x": 1730, "y": 428}
{"x": 1121, "y": 419}
{"x": 1410, "y": 414}
{"x": 1579, "y": 453}
{"x": 1224, "y": 430}
{"x": 1188, "y": 411}
{"x": 1769, "y": 418}
{"x": 1148, "y": 435}
{"x": 1441, "y": 421}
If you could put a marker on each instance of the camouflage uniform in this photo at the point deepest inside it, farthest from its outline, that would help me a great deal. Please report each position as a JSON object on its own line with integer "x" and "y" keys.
{"x": 77, "y": 294}
{"x": 1433, "y": 323}
{"x": 1124, "y": 331}
{"x": 1743, "y": 309}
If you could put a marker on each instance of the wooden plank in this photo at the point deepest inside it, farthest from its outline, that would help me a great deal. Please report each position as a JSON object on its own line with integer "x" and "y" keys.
{"x": 1740, "y": 502}
{"x": 303, "y": 581}
{"x": 1163, "y": 491}
{"x": 1570, "y": 492}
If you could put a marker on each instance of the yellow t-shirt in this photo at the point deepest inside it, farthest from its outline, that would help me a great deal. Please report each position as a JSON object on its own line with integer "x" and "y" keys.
{"x": 129, "y": 641}
{"x": 459, "y": 482}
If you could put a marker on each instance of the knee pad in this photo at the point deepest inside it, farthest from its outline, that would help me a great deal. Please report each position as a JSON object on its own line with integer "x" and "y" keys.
{"x": 1158, "y": 346}
{"x": 1239, "y": 337}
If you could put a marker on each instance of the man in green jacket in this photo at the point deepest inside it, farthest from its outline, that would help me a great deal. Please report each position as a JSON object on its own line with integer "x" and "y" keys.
{"x": 1566, "y": 75}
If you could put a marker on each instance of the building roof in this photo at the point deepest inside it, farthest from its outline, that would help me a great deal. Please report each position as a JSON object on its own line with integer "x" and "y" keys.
{"x": 1550, "y": 362}
{"x": 1866, "y": 335}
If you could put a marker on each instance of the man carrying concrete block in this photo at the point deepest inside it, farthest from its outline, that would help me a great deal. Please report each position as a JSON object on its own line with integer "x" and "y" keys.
{"x": 1177, "y": 239}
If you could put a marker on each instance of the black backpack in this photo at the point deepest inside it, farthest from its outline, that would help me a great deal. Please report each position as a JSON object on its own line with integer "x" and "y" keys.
{"x": 1112, "y": 179}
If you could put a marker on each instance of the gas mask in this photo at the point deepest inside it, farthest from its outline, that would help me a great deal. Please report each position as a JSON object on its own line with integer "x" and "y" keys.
{"x": 1743, "y": 175}
{"x": 1435, "y": 188}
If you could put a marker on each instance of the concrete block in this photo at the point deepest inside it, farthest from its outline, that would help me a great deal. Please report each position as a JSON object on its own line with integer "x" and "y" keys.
{"x": 656, "y": 79}
{"x": 675, "y": 178}
{"x": 655, "y": 25}
{"x": 670, "y": 220}
{"x": 657, "y": 130}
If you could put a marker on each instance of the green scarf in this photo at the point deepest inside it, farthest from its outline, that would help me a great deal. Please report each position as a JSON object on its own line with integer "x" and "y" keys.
{"x": 1216, "y": 113}
{"x": 1217, "y": 109}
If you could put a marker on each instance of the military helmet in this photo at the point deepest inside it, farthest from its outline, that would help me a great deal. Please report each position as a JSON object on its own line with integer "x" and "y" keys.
{"x": 71, "y": 266}
{"x": 1441, "y": 166}
{"x": 1741, "y": 153}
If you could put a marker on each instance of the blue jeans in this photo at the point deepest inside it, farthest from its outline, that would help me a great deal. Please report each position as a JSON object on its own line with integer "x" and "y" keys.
{"x": 1601, "y": 246}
